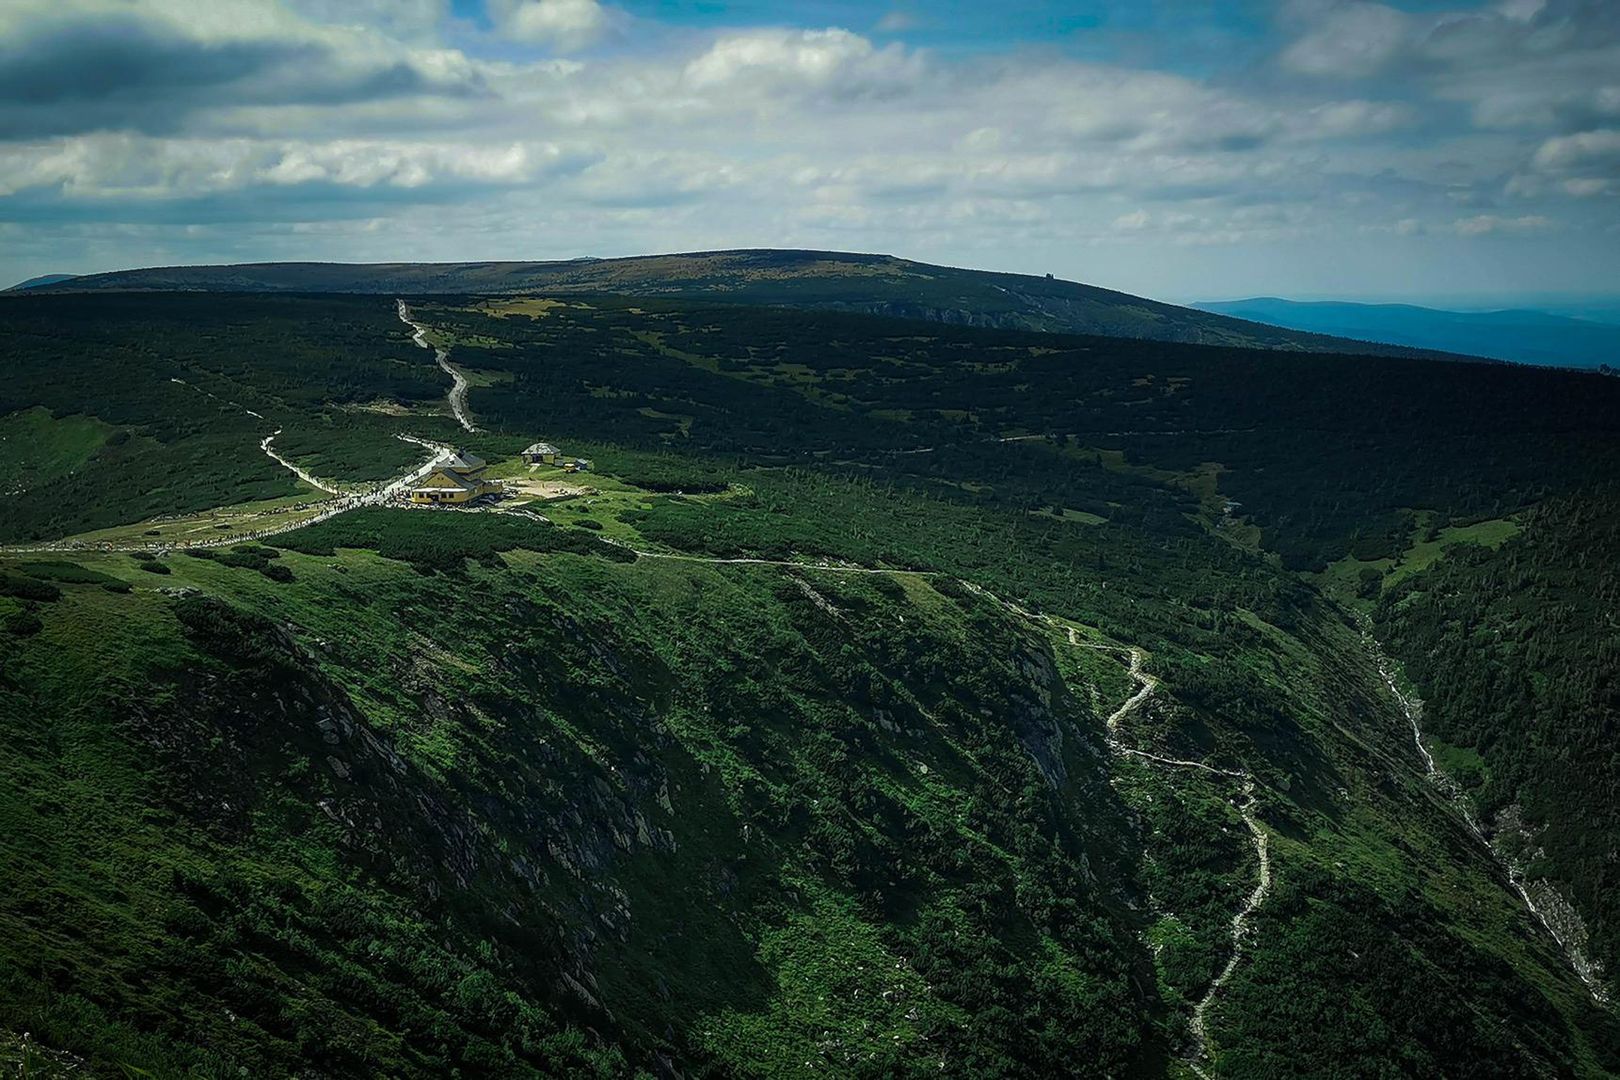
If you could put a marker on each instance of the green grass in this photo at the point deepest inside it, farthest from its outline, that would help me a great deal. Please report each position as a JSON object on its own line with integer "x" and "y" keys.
{"x": 1423, "y": 552}
{"x": 526, "y": 646}
{"x": 1463, "y": 764}
{"x": 842, "y": 999}
{"x": 37, "y": 448}
{"x": 1358, "y": 582}
{"x": 1066, "y": 514}
{"x": 442, "y": 541}
{"x": 177, "y": 530}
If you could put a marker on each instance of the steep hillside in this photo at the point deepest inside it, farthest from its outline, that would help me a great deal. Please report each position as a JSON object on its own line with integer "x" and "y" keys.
{"x": 879, "y": 703}
{"x": 1508, "y": 641}
{"x": 872, "y": 284}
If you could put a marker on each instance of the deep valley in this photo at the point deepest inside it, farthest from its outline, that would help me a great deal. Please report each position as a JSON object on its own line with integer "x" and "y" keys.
{"x": 850, "y": 695}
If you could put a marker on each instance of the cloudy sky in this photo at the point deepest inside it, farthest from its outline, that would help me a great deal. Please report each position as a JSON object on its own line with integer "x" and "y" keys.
{"x": 1187, "y": 149}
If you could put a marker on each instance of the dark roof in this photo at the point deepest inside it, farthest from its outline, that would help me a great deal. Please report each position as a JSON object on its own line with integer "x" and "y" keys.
{"x": 449, "y": 474}
{"x": 461, "y": 461}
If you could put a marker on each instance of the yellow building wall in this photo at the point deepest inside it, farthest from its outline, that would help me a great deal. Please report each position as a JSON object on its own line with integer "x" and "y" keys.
{"x": 442, "y": 493}
{"x": 438, "y": 478}
{"x": 447, "y": 495}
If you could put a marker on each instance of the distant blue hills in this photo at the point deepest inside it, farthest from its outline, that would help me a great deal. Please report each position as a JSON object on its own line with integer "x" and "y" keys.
{"x": 1521, "y": 336}
{"x": 41, "y": 281}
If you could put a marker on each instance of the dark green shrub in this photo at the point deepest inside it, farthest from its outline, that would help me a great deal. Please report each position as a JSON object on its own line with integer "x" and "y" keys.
{"x": 435, "y": 542}
{"x": 24, "y": 623}
{"x": 67, "y": 572}
{"x": 239, "y": 637}
{"x": 27, "y": 588}
{"x": 257, "y": 549}
{"x": 74, "y": 574}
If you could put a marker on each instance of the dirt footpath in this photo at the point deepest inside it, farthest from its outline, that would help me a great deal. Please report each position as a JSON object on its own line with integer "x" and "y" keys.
{"x": 544, "y": 489}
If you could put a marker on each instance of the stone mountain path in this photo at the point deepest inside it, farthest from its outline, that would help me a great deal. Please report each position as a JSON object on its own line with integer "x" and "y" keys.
{"x": 1202, "y": 1050}
{"x": 1201, "y": 1053}
{"x": 458, "y": 382}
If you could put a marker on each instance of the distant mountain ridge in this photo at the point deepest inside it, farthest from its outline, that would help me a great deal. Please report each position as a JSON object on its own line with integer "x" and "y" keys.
{"x": 1522, "y": 336}
{"x": 40, "y": 282}
{"x": 869, "y": 284}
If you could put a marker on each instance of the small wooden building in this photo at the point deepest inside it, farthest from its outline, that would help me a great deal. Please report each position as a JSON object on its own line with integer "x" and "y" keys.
{"x": 542, "y": 453}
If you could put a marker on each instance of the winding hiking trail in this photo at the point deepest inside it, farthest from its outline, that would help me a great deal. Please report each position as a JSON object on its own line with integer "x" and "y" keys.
{"x": 343, "y": 498}
{"x": 714, "y": 560}
{"x": 302, "y": 474}
{"x": 458, "y": 382}
{"x": 341, "y": 502}
{"x": 1202, "y": 1052}
{"x": 1146, "y": 684}
{"x": 1198, "y": 1025}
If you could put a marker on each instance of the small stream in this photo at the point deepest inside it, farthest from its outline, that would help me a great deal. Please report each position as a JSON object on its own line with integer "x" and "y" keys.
{"x": 1553, "y": 912}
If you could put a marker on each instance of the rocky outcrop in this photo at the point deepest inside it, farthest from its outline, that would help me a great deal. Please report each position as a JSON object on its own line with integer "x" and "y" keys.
{"x": 1032, "y": 717}
{"x": 1516, "y": 845}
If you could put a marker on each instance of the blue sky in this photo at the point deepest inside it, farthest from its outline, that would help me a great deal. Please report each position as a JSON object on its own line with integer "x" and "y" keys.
{"x": 1184, "y": 149}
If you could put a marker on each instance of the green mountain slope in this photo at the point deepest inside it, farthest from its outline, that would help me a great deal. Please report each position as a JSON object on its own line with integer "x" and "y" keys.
{"x": 871, "y": 284}
{"x": 879, "y": 703}
{"x": 1505, "y": 642}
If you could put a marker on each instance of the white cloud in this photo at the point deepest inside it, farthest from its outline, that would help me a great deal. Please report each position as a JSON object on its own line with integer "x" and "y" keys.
{"x": 128, "y": 167}
{"x": 834, "y": 59}
{"x": 70, "y": 66}
{"x": 318, "y": 119}
{"x": 1587, "y": 150}
{"x": 1581, "y": 166}
{"x": 1518, "y": 64}
{"x": 1350, "y": 40}
{"x": 1489, "y": 224}
{"x": 1584, "y": 187}
{"x": 405, "y": 19}
{"x": 1345, "y": 119}
{"x": 564, "y": 26}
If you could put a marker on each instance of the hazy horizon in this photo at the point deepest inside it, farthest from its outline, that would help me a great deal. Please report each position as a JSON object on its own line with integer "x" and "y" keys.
{"x": 1182, "y": 150}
